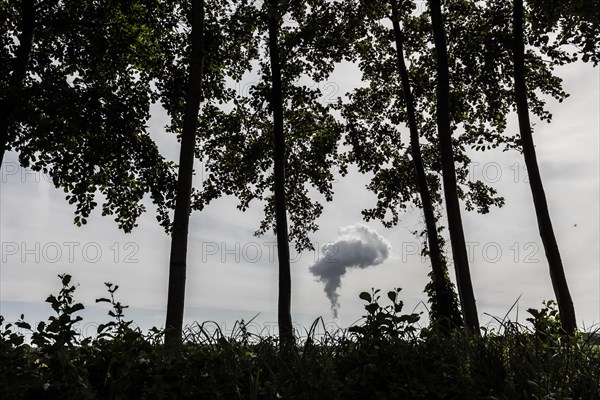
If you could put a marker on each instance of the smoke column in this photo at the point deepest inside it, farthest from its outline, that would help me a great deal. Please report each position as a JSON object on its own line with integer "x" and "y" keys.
{"x": 358, "y": 246}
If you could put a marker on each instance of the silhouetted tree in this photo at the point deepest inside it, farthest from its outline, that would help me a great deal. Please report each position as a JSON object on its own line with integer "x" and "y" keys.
{"x": 216, "y": 43}
{"x": 179, "y": 234}
{"x": 457, "y": 237}
{"x": 75, "y": 98}
{"x": 444, "y": 306}
{"x": 10, "y": 100}
{"x": 557, "y": 273}
{"x": 284, "y": 315}
{"x": 372, "y": 117}
{"x": 566, "y": 29}
{"x": 373, "y": 113}
{"x": 280, "y": 137}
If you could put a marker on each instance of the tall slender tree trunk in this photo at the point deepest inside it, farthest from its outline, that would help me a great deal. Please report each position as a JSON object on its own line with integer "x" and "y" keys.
{"x": 446, "y": 307}
{"x": 457, "y": 237}
{"x": 10, "y": 101}
{"x": 557, "y": 272}
{"x": 283, "y": 252}
{"x": 179, "y": 236}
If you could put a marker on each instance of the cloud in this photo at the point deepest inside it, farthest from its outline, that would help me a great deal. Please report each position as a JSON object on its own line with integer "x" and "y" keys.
{"x": 358, "y": 246}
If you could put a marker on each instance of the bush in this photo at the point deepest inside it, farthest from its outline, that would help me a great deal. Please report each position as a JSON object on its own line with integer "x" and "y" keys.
{"x": 384, "y": 357}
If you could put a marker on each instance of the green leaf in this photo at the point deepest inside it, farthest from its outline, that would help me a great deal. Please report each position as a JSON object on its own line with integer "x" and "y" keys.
{"x": 365, "y": 296}
{"x": 77, "y": 307}
{"x": 372, "y": 308}
{"x": 392, "y": 295}
{"x": 23, "y": 324}
{"x": 100, "y": 328}
{"x": 66, "y": 279}
{"x": 16, "y": 339}
{"x": 103, "y": 300}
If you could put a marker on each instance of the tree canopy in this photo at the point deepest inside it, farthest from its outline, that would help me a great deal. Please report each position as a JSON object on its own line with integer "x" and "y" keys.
{"x": 76, "y": 82}
{"x": 78, "y": 78}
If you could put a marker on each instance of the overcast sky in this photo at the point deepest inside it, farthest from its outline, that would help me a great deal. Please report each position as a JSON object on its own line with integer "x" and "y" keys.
{"x": 233, "y": 275}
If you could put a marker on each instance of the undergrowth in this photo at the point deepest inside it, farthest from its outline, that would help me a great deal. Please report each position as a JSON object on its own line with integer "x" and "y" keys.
{"x": 385, "y": 357}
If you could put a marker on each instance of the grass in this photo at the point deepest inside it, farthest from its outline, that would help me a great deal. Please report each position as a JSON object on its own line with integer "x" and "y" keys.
{"x": 386, "y": 357}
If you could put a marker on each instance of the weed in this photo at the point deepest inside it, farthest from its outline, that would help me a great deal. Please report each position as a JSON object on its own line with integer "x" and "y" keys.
{"x": 386, "y": 356}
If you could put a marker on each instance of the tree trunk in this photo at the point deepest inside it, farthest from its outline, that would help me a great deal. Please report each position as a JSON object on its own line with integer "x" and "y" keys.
{"x": 557, "y": 272}
{"x": 10, "y": 102}
{"x": 457, "y": 237}
{"x": 444, "y": 302}
{"x": 283, "y": 252}
{"x": 179, "y": 235}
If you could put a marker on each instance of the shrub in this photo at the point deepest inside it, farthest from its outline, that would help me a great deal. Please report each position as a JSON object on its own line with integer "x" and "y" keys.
{"x": 384, "y": 357}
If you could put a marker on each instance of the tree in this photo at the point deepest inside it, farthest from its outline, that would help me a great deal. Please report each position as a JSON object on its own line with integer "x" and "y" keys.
{"x": 113, "y": 62}
{"x": 9, "y": 102}
{"x": 574, "y": 24}
{"x": 374, "y": 112}
{"x": 457, "y": 237}
{"x": 444, "y": 307}
{"x": 179, "y": 234}
{"x": 284, "y": 316}
{"x": 373, "y": 116}
{"x": 219, "y": 45}
{"x": 280, "y": 126}
{"x": 557, "y": 273}
{"x": 480, "y": 99}
{"x": 75, "y": 95}
{"x": 489, "y": 60}
{"x": 514, "y": 78}
{"x": 481, "y": 90}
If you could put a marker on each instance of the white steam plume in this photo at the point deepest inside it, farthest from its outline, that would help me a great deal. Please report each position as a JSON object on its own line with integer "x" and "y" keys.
{"x": 358, "y": 246}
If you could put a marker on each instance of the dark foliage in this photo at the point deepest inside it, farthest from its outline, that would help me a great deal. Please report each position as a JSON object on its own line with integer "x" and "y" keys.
{"x": 385, "y": 357}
